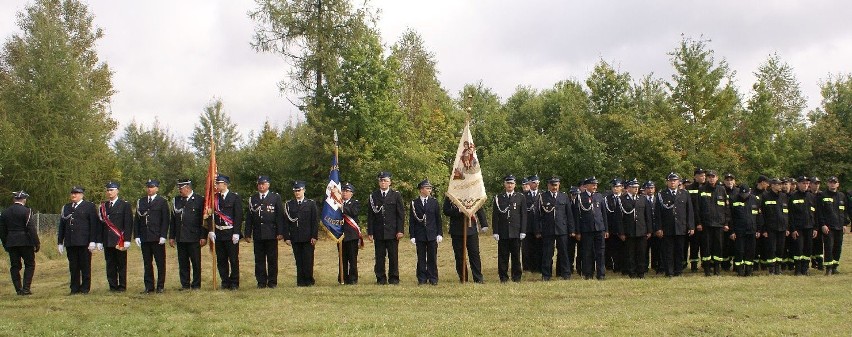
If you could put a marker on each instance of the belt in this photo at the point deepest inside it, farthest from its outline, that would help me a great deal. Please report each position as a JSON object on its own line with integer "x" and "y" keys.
{"x": 222, "y": 228}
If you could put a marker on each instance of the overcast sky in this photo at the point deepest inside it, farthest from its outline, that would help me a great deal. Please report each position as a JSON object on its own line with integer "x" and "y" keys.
{"x": 170, "y": 58}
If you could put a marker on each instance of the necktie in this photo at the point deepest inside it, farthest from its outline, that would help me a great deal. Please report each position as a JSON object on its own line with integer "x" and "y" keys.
{"x": 423, "y": 200}
{"x": 533, "y": 193}
{"x": 150, "y": 199}
{"x": 554, "y": 195}
{"x": 109, "y": 205}
{"x": 384, "y": 194}
{"x": 263, "y": 196}
{"x": 299, "y": 202}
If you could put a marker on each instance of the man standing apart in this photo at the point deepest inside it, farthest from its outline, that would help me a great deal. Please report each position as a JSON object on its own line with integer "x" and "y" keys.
{"x": 833, "y": 215}
{"x": 20, "y": 239}
{"x": 385, "y": 228}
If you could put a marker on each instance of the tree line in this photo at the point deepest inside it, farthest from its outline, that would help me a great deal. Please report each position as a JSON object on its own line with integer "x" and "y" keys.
{"x": 392, "y": 114}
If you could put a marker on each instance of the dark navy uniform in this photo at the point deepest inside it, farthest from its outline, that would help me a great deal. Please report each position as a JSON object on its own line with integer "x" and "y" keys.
{"x": 228, "y": 221}
{"x": 532, "y": 245}
{"x": 636, "y": 222}
{"x": 614, "y": 251}
{"x": 152, "y": 227}
{"x": 116, "y": 235}
{"x": 426, "y": 229}
{"x": 384, "y": 223}
{"x": 78, "y": 231}
{"x": 713, "y": 217}
{"x": 556, "y": 228}
{"x": 265, "y": 225}
{"x": 457, "y": 232}
{"x": 746, "y": 221}
{"x": 592, "y": 228}
{"x": 20, "y": 239}
{"x": 774, "y": 208}
{"x": 675, "y": 221}
{"x": 301, "y": 230}
{"x": 802, "y": 209}
{"x": 833, "y": 213}
{"x": 509, "y": 221}
{"x": 693, "y": 248}
{"x": 188, "y": 231}
{"x": 352, "y": 238}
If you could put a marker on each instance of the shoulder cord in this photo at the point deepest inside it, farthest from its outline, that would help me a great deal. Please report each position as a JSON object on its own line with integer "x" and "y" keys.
{"x": 376, "y": 210}
{"x": 414, "y": 213}
{"x": 580, "y": 203}
{"x": 287, "y": 213}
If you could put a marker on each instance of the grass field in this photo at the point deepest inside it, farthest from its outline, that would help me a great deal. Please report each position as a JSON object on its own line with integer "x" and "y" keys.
{"x": 691, "y": 305}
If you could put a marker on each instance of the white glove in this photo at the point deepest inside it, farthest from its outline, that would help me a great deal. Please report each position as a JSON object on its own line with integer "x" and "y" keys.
{"x": 92, "y": 246}
{"x": 138, "y": 242}
{"x": 100, "y": 246}
{"x": 211, "y": 236}
{"x": 126, "y": 244}
{"x": 483, "y": 229}
{"x": 497, "y": 237}
{"x": 413, "y": 241}
{"x": 523, "y": 235}
{"x": 162, "y": 241}
{"x": 235, "y": 238}
{"x": 61, "y": 249}
{"x": 440, "y": 238}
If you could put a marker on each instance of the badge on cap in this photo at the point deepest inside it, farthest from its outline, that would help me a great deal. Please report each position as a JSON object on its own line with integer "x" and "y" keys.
{"x": 221, "y": 178}
{"x": 262, "y": 179}
{"x": 20, "y": 195}
{"x": 383, "y": 175}
{"x": 183, "y": 182}
{"x": 424, "y": 183}
{"x": 77, "y": 189}
{"x": 298, "y": 185}
{"x": 509, "y": 179}
{"x": 111, "y": 185}
{"x": 152, "y": 183}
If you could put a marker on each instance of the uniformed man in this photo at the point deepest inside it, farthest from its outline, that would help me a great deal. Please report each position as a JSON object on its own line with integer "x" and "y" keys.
{"x": 713, "y": 218}
{"x": 385, "y": 228}
{"x": 614, "y": 253}
{"x": 457, "y": 230}
{"x": 188, "y": 233}
{"x": 525, "y": 185}
{"x": 577, "y": 253}
{"x": 20, "y": 239}
{"x": 152, "y": 228}
{"x": 352, "y": 239}
{"x": 694, "y": 241}
{"x": 532, "y": 245}
{"x": 635, "y": 230}
{"x": 265, "y": 225}
{"x": 746, "y": 224}
{"x": 509, "y": 218}
{"x": 774, "y": 208}
{"x": 556, "y": 228}
{"x": 760, "y": 188}
{"x": 802, "y": 209}
{"x": 117, "y": 228}
{"x": 788, "y": 187}
{"x": 675, "y": 221}
{"x": 78, "y": 230}
{"x": 592, "y": 229}
{"x": 228, "y": 220}
{"x": 426, "y": 230}
{"x": 649, "y": 192}
{"x": 833, "y": 215}
{"x": 728, "y": 246}
{"x": 817, "y": 248}
{"x": 301, "y": 232}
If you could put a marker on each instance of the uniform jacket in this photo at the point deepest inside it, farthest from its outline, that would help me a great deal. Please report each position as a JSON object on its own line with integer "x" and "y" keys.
{"x": 78, "y": 226}
{"x": 187, "y": 219}
{"x": 265, "y": 218}
{"x": 746, "y": 218}
{"x": 424, "y": 221}
{"x": 152, "y": 219}
{"x": 121, "y": 216}
{"x": 773, "y": 206}
{"x": 302, "y": 220}
{"x": 590, "y": 216}
{"x": 833, "y": 210}
{"x": 351, "y": 208}
{"x": 802, "y": 209}
{"x": 533, "y": 210}
{"x": 509, "y": 215}
{"x": 16, "y": 229}
{"x": 636, "y": 217}
{"x": 713, "y": 208}
{"x": 457, "y": 219}
{"x": 555, "y": 215}
{"x": 612, "y": 205}
{"x": 386, "y": 215}
{"x": 232, "y": 207}
{"x": 674, "y": 212}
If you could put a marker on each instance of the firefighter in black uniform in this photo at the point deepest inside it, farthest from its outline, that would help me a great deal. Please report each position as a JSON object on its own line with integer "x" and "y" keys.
{"x": 833, "y": 215}
{"x": 577, "y": 253}
{"x": 635, "y": 230}
{"x": 427, "y": 230}
{"x": 556, "y": 230}
{"x": 352, "y": 238}
{"x": 614, "y": 253}
{"x": 78, "y": 230}
{"x": 228, "y": 220}
{"x": 592, "y": 229}
{"x": 457, "y": 229}
{"x": 188, "y": 233}
{"x": 385, "y": 228}
{"x": 817, "y": 247}
{"x": 713, "y": 217}
{"x": 746, "y": 225}
{"x": 774, "y": 208}
{"x": 117, "y": 229}
{"x": 694, "y": 242}
{"x": 649, "y": 194}
{"x": 802, "y": 209}
{"x": 265, "y": 226}
{"x": 728, "y": 247}
{"x": 675, "y": 221}
{"x": 152, "y": 228}
{"x": 532, "y": 244}
{"x": 20, "y": 239}
{"x": 302, "y": 232}
{"x": 509, "y": 218}
{"x": 761, "y": 187}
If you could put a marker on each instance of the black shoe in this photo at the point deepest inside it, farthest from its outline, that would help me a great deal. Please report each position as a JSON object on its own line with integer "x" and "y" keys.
{"x": 706, "y": 271}
{"x": 261, "y": 286}
{"x": 601, "y": 277}
{"x": 545, "y": 278}
{"x": 433, "y": 282}
{"x": 160, "y": 290}
{"x": 694, "y": 267}
{"x": 146, "y": 292}
{"x": 641, "y": 275}
{"x": 183, "y": 289}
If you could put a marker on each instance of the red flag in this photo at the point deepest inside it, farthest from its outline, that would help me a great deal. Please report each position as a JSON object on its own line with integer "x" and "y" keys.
{"x": 209, "y": 189}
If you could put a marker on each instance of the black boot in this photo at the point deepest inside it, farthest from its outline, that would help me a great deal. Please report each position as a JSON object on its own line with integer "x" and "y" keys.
{"x": 748, "y": 270}
{"x": 706, "y": 266}
{"x": 716, "y": 268}
{"x": 740, "y": 270}
{"x": 694, "y": 266}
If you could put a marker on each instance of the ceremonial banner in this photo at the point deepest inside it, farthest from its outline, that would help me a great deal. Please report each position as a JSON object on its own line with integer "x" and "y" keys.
{"x": 332, "y": 208}
{"x": 466, "y": 189}
{"x": 210, "y": 187}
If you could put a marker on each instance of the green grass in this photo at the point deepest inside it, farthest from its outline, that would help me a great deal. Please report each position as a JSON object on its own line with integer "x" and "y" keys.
{"x": 691, "y": 305}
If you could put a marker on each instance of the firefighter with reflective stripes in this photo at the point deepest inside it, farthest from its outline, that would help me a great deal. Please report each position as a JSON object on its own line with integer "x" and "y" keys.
{"x": 816, "y": 251}
{"x": 773, "y": 206}
{"x": 746, "y": 224}
{"x": 833, "y": 215}
{"x": 802, "y": 208}
{"x": 694, "y": 244}
{"x": 713, "y": 217}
